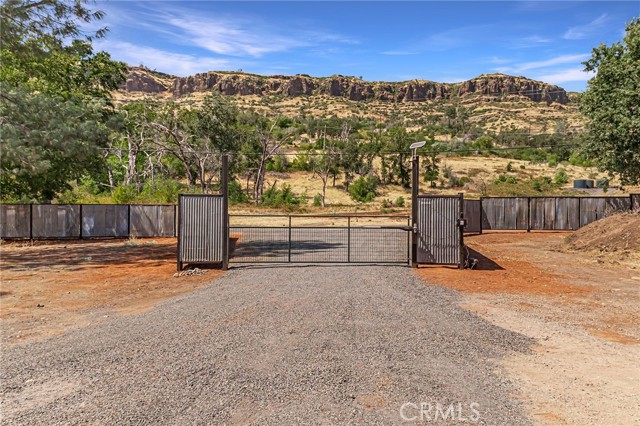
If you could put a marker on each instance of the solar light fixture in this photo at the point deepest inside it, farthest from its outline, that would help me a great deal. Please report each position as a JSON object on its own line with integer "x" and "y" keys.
{"x": 414, "y": 146}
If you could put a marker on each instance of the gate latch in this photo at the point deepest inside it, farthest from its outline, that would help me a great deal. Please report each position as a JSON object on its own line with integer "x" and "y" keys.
{"x": 462, "y": 222}
{"x": 415, "y": 228}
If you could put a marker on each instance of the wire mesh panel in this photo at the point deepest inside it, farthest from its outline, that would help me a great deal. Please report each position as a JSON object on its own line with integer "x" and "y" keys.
{"x": 438, "y": 231}
{"x": 259, "y": 244}
{"x": 319, "y": 239}
{"x": 379, "y": 245}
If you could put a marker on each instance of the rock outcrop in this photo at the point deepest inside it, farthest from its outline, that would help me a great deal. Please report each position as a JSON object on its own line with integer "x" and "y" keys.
{"x": 493, "y": 86}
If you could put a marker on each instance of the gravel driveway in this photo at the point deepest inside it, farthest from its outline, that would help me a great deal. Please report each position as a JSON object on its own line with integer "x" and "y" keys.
{"x": 274, "y": 345}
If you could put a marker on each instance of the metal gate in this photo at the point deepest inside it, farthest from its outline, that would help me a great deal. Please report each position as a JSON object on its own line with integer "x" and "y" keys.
{"x": 201, "y": 230}
{"x": 439, "y": 230}
{"x": 319, "y": 239}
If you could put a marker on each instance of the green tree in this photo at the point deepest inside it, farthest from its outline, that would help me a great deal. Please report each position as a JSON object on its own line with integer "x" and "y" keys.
{"x": 54, "y": 96}
{"x": 612, "y": 105}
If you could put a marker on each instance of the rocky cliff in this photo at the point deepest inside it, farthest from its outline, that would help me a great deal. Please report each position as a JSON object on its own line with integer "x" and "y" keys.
{"x": 492, "y": 86}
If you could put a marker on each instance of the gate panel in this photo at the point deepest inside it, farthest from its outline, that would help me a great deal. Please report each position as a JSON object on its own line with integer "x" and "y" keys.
{"x": 438, "y": 231}
{"x": 201, "y": 229}
{"x": 319, "y": 239}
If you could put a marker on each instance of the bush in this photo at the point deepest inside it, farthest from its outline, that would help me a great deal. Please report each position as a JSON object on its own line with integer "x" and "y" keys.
{"x": 278, "y": 164}
{"x": 505, "y": 179}
{"x": 399, "y": 202}
{"x": 561, "y": 177}
{"x": 317, "y": 200}
{"x": 510, "y": 167}
{"x": 542, "y": 184}
{"x": 161, "y": 191}
{"x": 386, "y": 203}
{"x": 274, "y": 197}
{"x": 236, "y": 194}
{"x": 364, "y": 189}
{"x": 124, "y": 194}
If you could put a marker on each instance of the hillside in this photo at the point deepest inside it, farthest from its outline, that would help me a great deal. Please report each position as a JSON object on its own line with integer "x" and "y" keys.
{"x": 495, "y": 102}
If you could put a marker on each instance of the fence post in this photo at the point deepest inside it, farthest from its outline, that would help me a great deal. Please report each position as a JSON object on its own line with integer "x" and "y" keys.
{"x": 528, "y": 214}
{"x": 31, "y": 221}
{"x": 579, "y": 213}
{"x": 224, "y": 184}
{"x": 289, "y": 244}
{"x": 415, "y": 172}
{"x": 175, "y": 220}
{"x": 81, "y": 222}
{"x": 461, "y": 229}
{"x": 177, "y": 227}
{"x": 129, "y": 220}
{"x": 481, "y": 214}
{"x": 348, "y": 239}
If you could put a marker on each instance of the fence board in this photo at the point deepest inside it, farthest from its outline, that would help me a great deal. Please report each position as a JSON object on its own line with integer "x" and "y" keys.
{"x": 56, "y": 221}
{"x": 105, "y": 220}
{"x": 472, "y": 213}
{"x": 152, "y": 221}
{"x": 15, "y": 220}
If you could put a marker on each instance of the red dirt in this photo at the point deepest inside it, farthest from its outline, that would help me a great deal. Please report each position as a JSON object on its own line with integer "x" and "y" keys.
{"x": 500, "y": 269}
{"x": 49, "y": 287}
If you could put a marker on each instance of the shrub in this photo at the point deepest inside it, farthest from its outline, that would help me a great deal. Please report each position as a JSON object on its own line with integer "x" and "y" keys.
{"x": 542, "y": 184}
{"x": 278, "y": 164}
{"x": 505, "y": 179}
{"x": 317, "y": 200}
{"x": 236, "y": 194}
{"x": 561, "y": 177}
{"x": 124, "y": 194}
{"x": 386, "y": 203}
{"x": 274, "y": 197}
{"x": 161, "y": 191}
{"x": 510, "y": 166}
{"x": 364, "y": 189}
{"x": 399, "y": 202}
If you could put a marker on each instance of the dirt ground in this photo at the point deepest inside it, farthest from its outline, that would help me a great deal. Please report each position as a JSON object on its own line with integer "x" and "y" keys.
{"x": 582, "y": 307}
{"x": 49, "y": 287}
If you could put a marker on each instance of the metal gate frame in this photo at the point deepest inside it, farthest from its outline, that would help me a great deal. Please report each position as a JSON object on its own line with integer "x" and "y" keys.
{"x": 443, "y": 236}
{"x": 283, "y": 247}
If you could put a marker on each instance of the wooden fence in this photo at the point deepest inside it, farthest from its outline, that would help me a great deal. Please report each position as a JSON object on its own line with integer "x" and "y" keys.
{"x": 542, "y": 213}
{"x": 86, "y": 220}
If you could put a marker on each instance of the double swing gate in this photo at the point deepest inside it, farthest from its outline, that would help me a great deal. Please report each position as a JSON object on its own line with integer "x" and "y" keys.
{"x": 208, "y": 234}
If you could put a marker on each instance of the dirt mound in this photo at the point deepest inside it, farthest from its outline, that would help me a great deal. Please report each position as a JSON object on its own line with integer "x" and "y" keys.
{"x": 619, "y": 233}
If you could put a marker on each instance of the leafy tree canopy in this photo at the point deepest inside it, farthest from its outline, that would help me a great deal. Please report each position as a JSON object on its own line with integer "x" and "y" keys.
{"x": 54, "y": 95}
{"x": 612, "y": 105}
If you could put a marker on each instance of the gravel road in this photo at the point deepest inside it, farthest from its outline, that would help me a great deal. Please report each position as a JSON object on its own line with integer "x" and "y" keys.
{"x": 277, "y": 346}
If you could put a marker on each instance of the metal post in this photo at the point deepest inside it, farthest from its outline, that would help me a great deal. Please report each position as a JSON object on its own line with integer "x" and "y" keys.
{"x": 80, "y": 236}
{"x": 481, "y": 215}
{"x": 129, "y": 220}
{"x": 348, "y": 239}
{"x": 461, "y": 229}
{"x": 178, "y": 228}
{"x": 31, "y": 221}
{"x": 528, "y": 214}
{"x": 415, "y": 172}
{"x": 289, "y": 249}
{"x": 224, "y": 186}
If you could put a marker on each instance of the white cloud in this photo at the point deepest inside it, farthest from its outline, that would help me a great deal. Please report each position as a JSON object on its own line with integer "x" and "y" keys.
{"x": 173, "y": 63}
{"x": 231, "y": 38}
{"x": 558, "y": 60}
{"x": 398, "y": 52}
{"x": 563, "y": 76}
{"x": 583, "y": 31}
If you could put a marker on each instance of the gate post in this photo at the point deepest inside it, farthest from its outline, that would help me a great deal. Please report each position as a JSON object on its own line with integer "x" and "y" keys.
{"x": 461, "y": 223}
{"x": 224, "y": 187}
{"x": 415, "y": 181}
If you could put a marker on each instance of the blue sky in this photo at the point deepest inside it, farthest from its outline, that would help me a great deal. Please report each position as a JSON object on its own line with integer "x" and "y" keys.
{"x": 390, "y": 41}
